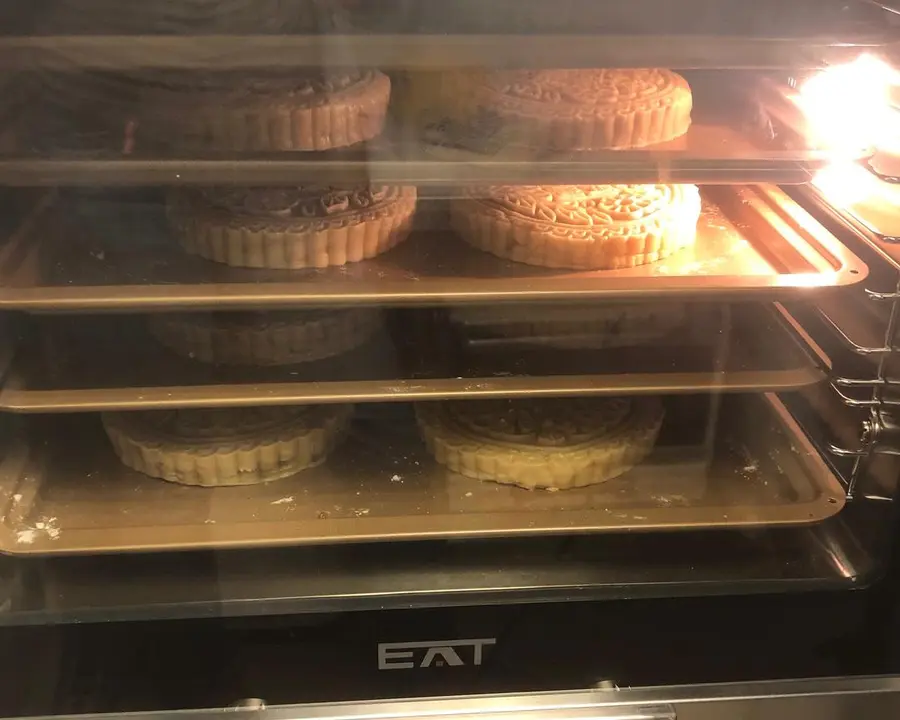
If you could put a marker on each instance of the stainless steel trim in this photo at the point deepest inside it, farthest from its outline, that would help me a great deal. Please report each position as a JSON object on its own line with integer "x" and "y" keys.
{"x": 865, "y": 697}
{"x": 788, "y": 699}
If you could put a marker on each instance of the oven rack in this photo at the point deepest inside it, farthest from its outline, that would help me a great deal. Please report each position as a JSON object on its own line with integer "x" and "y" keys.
{"x": 866, "y": 321}
{"x": 746, "y": 131}
{"x": 879, "y": 432}
{"x": 433, "y": 51}
{"x": 433, "y": 176}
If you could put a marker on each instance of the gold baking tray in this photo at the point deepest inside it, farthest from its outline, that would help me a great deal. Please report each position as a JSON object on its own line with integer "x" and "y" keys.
{"x": 875, "y": 219}
{"x": 63, "y": 490}
{"x": 857, "y": 325}
{"x": 860, "y": 316}
{"x": 95, "y": 253}
{"x": 111, "y": 362}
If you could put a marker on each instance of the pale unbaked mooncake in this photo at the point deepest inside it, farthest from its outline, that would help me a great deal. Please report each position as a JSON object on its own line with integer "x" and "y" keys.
{"x": 265, "y": 338}
{"x": 544, "y": 443}
{"x": 292, "y": 228}
{"x": 226, "y": 446}
{"x": 590, "y": 227}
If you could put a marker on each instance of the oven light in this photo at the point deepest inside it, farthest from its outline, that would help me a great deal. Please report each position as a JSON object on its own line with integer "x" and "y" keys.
{"x": 847, "y": 107}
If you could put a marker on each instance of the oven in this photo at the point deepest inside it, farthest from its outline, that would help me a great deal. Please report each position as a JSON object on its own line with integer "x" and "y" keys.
{"x": 409, "y": 359}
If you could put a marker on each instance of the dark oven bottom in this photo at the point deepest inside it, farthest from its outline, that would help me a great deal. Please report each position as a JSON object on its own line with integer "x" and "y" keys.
{"x": 216, "y": 662}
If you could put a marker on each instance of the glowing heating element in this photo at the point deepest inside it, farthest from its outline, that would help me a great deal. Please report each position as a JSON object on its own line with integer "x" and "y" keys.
{"x": 847, "y": 107}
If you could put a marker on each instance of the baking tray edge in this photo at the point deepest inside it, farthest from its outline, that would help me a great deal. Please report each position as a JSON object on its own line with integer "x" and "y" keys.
{"x": 798, "y": 238}
{"x": 828, "y": 501}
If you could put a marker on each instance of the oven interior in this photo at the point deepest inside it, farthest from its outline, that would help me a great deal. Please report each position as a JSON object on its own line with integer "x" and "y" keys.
{"x": 771, "y": 489}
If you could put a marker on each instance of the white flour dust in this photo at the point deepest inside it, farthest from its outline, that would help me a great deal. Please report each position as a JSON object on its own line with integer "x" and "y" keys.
{"x": 26, "y": 537}
{"x": 46, "y": 527}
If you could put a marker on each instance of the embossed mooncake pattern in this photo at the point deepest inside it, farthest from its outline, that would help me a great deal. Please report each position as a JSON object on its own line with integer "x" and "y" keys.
{"x": 292, "y": 228}
{"x": 226, "y": 446}
{"x": 590, "y": 109}
{"x": 598, "y": 227}
{"x": 275, "y": 113}
{"x": 265, "y": 338}
{"x": 544, "y": 443}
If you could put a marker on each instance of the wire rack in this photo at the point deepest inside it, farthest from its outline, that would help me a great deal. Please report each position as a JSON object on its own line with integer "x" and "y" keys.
{"x": 873, "y": 394}
{"x": 874, "y": 391}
